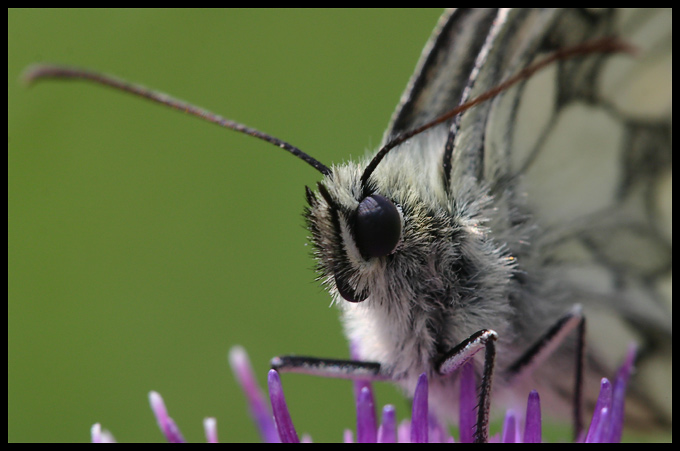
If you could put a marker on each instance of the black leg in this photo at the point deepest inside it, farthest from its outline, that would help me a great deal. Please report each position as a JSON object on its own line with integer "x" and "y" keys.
{"x": 482, "y": 430}
{"x": 461, "y": 354}
{"x": 546, "y": 345}
{"x": 578, "y": 389}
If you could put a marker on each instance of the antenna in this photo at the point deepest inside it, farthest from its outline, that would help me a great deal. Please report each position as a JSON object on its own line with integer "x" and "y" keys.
{"x": 39, "y": 72}
{"x": 603, "y": 45}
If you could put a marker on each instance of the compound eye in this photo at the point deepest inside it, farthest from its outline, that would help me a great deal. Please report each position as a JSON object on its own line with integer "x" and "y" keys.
{"x": 377, "y": 228}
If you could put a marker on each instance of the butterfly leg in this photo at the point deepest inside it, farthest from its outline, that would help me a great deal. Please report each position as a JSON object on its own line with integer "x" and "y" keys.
{"x": 546, "y": 345}
{"x": 460, "y": 355}
{"x": 336, "y": 368}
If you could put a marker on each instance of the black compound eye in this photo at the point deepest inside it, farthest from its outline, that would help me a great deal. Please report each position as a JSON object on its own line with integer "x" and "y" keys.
{"x": 377, "y": 228}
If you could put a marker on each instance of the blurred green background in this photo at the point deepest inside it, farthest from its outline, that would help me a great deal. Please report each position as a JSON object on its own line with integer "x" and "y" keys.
{"x": 143, "y": 244}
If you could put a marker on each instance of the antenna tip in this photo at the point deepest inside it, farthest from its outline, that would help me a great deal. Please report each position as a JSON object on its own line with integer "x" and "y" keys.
{"x": 33, "y": 73}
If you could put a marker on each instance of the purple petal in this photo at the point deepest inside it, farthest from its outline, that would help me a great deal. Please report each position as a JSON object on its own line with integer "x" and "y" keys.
{"x": 404, "y": 432}
{"x": 419, "y": 415}
{"x": 604, "y": 401}
{"x": 347, "y": 436}
{"x": 387, "y": 433}
{"x": 510, "y": 428}
{"x": 532, "y": 427}
{"x": 601, "y": 432}
{"x": 210, "y": 428}
{"x": 99, "y": 436}
{"x": 240, "y": 365}
{"x": 367, "y": 429}
{"x": 468, "y": 403}
{"x": 436, "y": 433}
{"x": 167, "y": 424}
{"x": 359, "y": 386}
{"x": 619, "y": 396}
{"x": 96, "y": 433}
{"x": 284, "y": 424}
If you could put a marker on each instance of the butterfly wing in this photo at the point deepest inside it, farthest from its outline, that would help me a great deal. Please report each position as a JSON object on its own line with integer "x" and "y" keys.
{"x": 582, "y": 150}
{"x": 443, "y": 69}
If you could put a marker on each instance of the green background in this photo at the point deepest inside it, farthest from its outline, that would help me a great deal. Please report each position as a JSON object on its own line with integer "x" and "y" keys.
{"x": 143, "y": 244}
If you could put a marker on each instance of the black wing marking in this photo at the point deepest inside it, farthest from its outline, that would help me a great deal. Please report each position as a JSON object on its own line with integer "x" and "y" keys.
{"x": 443, "y": 69}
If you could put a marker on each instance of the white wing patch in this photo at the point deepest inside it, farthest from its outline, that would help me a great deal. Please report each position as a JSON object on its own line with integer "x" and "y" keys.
{"x": 593, "y": 162}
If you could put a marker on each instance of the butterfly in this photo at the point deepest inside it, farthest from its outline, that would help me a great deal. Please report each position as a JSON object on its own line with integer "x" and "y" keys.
{"x": 507, "y": 225}
{"x": 505, "y": 217}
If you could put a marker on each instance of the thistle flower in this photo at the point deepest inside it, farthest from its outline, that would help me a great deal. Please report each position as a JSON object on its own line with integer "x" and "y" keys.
{"x": 275, "y": 423}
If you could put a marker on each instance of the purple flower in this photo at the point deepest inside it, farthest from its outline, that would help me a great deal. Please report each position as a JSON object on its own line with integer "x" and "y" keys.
{"x": 275, "y": 424}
